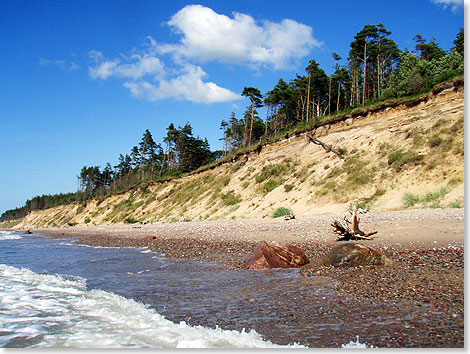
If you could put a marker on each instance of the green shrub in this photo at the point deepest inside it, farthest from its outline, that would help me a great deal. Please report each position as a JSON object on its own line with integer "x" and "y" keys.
{"x": 410, "y": 199}
{"x": 457, "y": 126}
{"x": 430, "y": 199}
{"x": 361, "y": 176}
{"x": 431, "y": 165}
{"x": 331, "y": 185}
{"x": 208, "y": 178}
{"x": 268, "y": 172}
{"x": 282, "y": 212}
{"x": 398, "y": 159}
{"x": 288, "y": 187}
{"x": 434, "y": 196}
{"x": 271, "y": 185}
{"x": 225, "y": 180}
{"x": 230, "y": 198}
{"x": 388, "y": 94}
{"x": 234, "y": 208}
{"x": 150, "y": 200}
{"x": 380, "y": 192}
{"x": 363, "y": 205}
{"x": 455, "y": 181}
{"x": 87, "y": 220}
{"x": 144, "y": 193}
{"x": 131, "y": 220}
{"x": 394, "y": 157}
{"x": 435, "y": 141}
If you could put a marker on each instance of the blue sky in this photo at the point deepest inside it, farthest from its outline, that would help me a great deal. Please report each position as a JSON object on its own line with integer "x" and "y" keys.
{"x": 82, "y": 80}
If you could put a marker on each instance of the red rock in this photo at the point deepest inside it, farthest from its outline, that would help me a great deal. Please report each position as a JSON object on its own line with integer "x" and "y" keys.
{"x": 150, "y": 237}
{"x": 276, "y": 255}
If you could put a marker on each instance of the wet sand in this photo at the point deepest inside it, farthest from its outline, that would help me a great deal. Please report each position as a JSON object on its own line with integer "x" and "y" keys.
{"x": 416, "y": 302}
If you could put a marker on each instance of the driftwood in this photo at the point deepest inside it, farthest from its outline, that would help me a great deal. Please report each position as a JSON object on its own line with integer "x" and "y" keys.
{"x": 325, "y": 146}
{"x": 349, "y": 230}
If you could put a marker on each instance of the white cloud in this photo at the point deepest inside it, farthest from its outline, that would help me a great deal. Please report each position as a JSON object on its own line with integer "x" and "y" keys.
{"x": 454, "y": 4}
{"x": 137, "y": 66}
{"x": 151, "y": 74}
{"x": 104, "y": 69}
{"x": 148, "y": 78}
{"x": 60, "y": 63}
{"x": 187, "y": 86}
{"x": 210, "y": 36}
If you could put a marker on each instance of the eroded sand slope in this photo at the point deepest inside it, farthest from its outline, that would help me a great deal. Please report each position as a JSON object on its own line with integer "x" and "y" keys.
{"x": 416, "y": 151}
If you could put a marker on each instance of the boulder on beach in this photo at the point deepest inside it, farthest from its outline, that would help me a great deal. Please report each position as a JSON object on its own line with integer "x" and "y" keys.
{"x": 353, "y": 255}
{"x": 150, "y": 237}
{"x": 276, "y": 255}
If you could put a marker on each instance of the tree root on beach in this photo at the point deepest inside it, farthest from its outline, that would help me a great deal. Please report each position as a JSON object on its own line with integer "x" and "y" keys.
{"x": 350, "y": 233}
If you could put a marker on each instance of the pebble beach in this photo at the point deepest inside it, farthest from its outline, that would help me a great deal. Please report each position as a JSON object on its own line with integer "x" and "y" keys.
{"x": 426, "y": 278}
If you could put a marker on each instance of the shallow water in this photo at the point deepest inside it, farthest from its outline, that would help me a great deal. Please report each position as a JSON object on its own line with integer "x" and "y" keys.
{"x": 56, "y": 293}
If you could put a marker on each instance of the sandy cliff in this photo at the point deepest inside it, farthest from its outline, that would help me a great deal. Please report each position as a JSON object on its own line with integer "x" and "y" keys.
{"x": 411, "y": 155}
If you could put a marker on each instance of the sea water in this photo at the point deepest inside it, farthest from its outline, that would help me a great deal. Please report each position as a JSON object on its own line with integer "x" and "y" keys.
{"x": 56, "y": 293}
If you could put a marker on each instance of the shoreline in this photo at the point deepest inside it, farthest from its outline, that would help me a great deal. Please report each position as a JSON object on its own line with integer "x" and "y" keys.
{"x": 425, "y": 245}
{"x": 221, "y": 240}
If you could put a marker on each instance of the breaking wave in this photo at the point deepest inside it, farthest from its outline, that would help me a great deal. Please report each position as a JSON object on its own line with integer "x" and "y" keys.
{"x": 50, "y": 310}
{"x": 9, "y": 235}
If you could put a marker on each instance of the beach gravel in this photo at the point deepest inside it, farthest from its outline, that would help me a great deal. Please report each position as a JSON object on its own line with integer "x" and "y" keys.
{"x": 426, "y": 277}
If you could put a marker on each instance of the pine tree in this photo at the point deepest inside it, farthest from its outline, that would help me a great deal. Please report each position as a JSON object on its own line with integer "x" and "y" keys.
{"x": 459, "y": 42}
{"x": 335, "y": 58}
{"x": 147, "y": 147}
{"x": 428, "y": 51}
{"x": 255, "y": 97}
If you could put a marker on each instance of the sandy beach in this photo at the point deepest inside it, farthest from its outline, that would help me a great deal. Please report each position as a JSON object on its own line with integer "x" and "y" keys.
{"x": 427, "y": 275}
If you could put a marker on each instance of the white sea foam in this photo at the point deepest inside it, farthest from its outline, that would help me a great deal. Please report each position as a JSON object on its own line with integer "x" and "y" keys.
{"x": 356, "y": 344}
{"x": 46, "y": 310}
{"x": 9, "y": 235}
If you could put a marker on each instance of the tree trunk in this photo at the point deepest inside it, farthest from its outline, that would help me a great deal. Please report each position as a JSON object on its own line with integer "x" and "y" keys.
{"x": 308, "y": 95}
{"x": 298, "y": 108}
{"x": 358, "y": 92}
{"x": 352, "y": 88}
{"x": 252, "y": 114}
{"x": 318, "y": 106}
{"x": 339, "y": 93}
{"x": 313, "y": 108}
{"x": 365, "y": 75}
{"x": 325, "y": 146}
{"x": 304, "y": 102}
{"x": 165, "y": 155}
{"x": 277, "y": 117}
{"x": 142, "y": 157}
{"x": 267, "y": 120}
{"x": 245, "y": 133}
{"x": 329, "y": 91}
{"x": 230, "y": 138}
{"x": 378, "y": 75}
